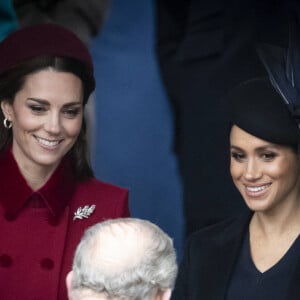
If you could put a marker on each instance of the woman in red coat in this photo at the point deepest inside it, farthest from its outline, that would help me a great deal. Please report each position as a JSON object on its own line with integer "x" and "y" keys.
{"x": 48, "y": 194}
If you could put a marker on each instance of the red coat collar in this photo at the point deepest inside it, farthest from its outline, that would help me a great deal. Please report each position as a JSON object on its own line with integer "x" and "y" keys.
{"x": 14, "y": 190}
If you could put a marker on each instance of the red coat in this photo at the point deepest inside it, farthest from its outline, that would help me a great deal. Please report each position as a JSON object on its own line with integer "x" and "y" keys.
{"x": 38, "y": 232}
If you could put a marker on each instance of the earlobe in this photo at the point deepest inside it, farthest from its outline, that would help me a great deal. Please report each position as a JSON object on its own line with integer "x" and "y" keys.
{"x": 166, "y": 295}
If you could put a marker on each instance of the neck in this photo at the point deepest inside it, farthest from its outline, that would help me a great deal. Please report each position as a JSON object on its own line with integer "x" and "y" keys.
{"x": 277, "y": 224}
{"x": 36, "y": 177}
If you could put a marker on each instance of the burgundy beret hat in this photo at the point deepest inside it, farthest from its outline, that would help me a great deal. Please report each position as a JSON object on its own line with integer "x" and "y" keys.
{"x": 256, "y": 107}
{"x": 40, "y": 40}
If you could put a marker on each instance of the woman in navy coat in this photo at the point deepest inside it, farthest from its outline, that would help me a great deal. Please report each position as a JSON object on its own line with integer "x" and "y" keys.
{"x": 48, "y": 194}
{"x": 257, "y": 255}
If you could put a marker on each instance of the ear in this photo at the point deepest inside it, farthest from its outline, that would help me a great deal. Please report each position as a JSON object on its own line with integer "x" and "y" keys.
{"x": 69, "y": 280}
{"x": 166, "y": 295}
{"x": 6, "y": 108}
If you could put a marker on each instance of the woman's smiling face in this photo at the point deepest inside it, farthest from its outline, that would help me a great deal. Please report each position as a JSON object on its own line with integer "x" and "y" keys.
{"x": 267, "y": 175}
{"x": 46, "y": 117}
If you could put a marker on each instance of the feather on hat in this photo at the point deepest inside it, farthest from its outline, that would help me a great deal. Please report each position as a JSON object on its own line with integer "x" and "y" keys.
{"x": 269, "y": 107}
{"x": 283, "y": 67}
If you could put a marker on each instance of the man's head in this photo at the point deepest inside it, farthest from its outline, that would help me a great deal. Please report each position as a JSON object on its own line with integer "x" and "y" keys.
{"x": 123, "y": 259}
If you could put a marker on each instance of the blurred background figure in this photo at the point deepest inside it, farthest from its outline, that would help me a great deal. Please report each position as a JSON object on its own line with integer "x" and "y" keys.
{"x": 84, "y": 18}
{"x": 123, "y": 259}
{"x": 8, "y": 18}
{"x": 134, "y": 121}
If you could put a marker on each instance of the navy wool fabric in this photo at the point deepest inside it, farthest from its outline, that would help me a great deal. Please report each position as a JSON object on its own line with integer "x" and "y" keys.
{"x": 248, "y": 283}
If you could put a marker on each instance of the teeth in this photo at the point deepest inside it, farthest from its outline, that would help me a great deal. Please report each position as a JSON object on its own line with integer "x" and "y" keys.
{"x": 256, "y": 189}
{"x": 47, "y": 142}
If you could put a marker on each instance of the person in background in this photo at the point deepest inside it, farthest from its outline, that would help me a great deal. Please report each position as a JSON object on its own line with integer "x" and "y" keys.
{"x": 256, "y": 255}
{"x": 84, "y": 18}
{"x": 48, "y": 194}
{"x": 125, "y": 259}
{"x": 8, "y": 18}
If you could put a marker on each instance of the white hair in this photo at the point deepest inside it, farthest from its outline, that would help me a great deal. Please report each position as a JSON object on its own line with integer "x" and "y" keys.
{"x": 125, "y": 258}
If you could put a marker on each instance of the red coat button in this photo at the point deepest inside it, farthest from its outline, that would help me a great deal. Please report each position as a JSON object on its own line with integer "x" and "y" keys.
{"x": 47, "y": 263}
{"x": 10, "y": 218}
{"x": 5, "y": 261}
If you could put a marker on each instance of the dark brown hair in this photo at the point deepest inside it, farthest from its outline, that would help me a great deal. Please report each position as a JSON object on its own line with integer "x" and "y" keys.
{"x": 13, "y": 80}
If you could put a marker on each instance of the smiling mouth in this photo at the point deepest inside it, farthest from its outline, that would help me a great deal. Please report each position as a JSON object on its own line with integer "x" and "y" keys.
{"x": 257, "y": 189}
{"x": 48, "y": 143}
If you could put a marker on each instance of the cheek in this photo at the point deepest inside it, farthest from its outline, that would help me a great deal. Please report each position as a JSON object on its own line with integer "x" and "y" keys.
{"x": 24, "y": 124}
{"x": 281, "y": 170}
{"x": 72, "y": 129}
{"x": 235, "y": 170}
{"x": 286, "y": 174}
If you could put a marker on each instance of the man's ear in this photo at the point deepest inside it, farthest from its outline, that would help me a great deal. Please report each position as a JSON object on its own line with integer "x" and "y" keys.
{"x": 69, "y": 280}
{"x": 166, "y": 295}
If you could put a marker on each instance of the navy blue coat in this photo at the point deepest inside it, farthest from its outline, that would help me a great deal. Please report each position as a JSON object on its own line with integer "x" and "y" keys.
{"x": 209, "y": 259}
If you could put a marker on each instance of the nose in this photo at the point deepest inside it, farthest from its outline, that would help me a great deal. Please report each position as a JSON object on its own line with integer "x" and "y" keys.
{"x": 252, "y": 170}
{"x": 53, "y": 124}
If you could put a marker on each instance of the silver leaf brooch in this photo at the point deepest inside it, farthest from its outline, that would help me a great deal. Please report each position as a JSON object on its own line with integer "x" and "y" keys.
{"x": 84, "y": 212}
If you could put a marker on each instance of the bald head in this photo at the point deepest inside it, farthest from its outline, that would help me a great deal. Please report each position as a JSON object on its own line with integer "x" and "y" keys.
{"x": 120, "y": 246}
{"x": 124, "y": 259}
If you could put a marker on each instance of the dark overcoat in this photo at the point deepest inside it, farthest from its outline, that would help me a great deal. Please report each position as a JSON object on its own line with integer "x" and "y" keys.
{"x": 209, "y": 260}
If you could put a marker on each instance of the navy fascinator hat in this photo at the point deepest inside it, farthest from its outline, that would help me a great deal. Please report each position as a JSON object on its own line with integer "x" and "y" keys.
{"x": 269, "y": 108}
{"x": 257, "y": 108}
{"x": 283, "y": 67}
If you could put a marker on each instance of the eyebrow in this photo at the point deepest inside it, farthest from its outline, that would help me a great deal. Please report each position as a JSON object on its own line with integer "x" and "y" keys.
{"x": 262, "y": 148}
{"x": 45, "y": 102}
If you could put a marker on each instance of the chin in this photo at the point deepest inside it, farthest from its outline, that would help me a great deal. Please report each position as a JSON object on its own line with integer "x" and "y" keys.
{"x": 262, "y": 208}
{"x": 257, "y": 205}
{"x": 48, "y": 162}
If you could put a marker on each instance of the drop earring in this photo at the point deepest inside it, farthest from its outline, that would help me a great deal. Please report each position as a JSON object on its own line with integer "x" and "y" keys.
{"x": 7, "y": 124}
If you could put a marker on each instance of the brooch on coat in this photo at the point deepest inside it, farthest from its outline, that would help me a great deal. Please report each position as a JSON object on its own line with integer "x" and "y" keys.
{"x": 84, "y": 212}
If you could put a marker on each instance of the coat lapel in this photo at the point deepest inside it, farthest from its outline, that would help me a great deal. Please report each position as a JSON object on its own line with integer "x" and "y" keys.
{"x": 222, "y": 251}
